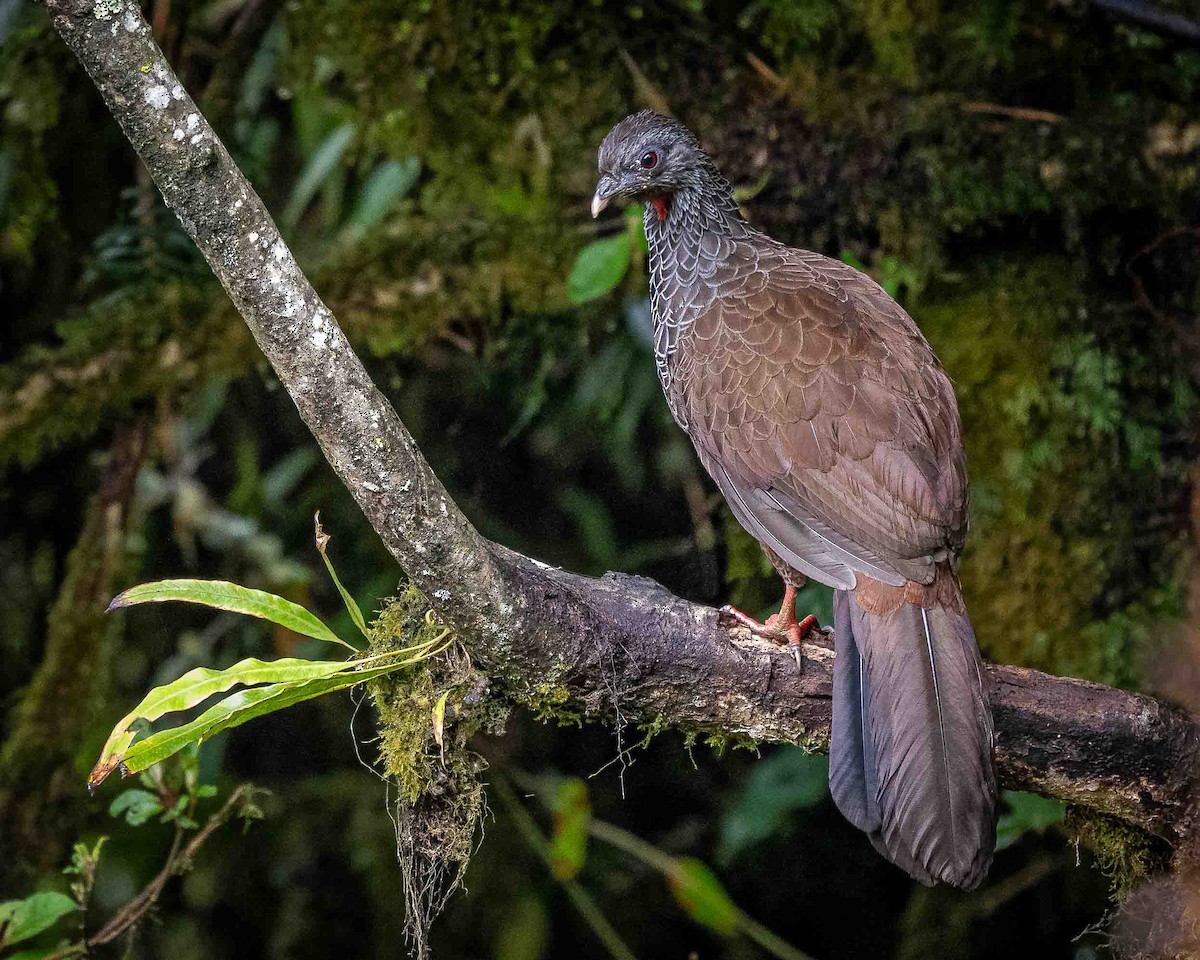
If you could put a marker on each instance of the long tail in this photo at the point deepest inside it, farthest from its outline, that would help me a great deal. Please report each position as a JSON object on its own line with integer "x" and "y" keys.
{"x": 910, "y": 759}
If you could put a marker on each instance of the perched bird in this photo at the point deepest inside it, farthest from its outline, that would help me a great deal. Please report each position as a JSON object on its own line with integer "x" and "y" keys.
{"x": 825, "y": 419}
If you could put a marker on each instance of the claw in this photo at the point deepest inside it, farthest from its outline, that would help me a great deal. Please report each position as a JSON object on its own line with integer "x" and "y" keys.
{"x": 731, "y": 613}
{"x": 777, "y": 628}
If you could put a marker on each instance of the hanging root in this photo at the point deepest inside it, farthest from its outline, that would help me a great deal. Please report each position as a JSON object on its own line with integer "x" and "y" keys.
{"x": 435, "y": 838}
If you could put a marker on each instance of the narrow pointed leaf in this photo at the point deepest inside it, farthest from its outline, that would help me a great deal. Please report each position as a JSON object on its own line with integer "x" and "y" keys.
{"x": 318, "y": 169}
{"x": 572, "y": 818}
{"x": 351, "y": 605}
{"x": 700, "y": 893}
{"x": 222, "y": 595}
{"x": 384, "y": 187}
{"x": 198, "y": 685}
{"x": 241, "y": 707}
{"x": 439, "y": 721}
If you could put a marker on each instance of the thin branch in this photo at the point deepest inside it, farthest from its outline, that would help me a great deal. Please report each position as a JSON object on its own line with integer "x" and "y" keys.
{"x": 531, "y": 626}
{"x": 177, "y": 861}
{"x": 1014, "y": 113}
{"x": 669, "y": 867}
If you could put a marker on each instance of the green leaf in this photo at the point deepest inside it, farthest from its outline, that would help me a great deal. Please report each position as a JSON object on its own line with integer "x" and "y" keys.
{"x": 701, "y": 894}
{"x": 136, "y": 806}
{"x": 598, "y": 268}
{"x": 84, "y": 859}
{"x": 782, "y": 783}
{"x": 198, "y": 685}
{"x": 351, "y": 605}
{"x": 635, "y": 223}
{"x": 439, "y": 722}
{"x": 24, "y": 919}
{"x": 222, "y": 595}
{"x": 280, "y": 480}
{"x": 1026, "y": 812}
{"x": 244, "y": 706}
{"x": 849, "y": 257}
{"x": 387, "y": 184}
{"x": 572, "y": 818}
{"x": 322, "y": 163}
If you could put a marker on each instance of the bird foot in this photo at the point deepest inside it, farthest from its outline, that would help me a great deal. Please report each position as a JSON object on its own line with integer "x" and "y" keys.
{"x": 778, "y": 628}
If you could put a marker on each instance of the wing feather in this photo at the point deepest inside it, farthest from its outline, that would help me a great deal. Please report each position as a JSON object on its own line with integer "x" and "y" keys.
{"x": 825, "y": 409}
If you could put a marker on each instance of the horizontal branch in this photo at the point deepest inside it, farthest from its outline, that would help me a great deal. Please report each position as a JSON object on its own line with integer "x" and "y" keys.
{"x": 618, "y": 643}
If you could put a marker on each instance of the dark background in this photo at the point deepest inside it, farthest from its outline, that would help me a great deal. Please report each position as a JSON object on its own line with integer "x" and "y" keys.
{"x": 1023, "y": 175}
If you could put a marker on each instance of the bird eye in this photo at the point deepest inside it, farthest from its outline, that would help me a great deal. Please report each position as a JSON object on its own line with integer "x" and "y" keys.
{"x": 649, "y": 160}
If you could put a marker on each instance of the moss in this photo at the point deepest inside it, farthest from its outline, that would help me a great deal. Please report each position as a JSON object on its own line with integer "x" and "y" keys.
{"x": 546, "y": 698}
{"x": 1058, "y": 471}
{"x": 406, "y": 701}
{"x": 891, "y": 29}
{"x": 30, "y": 91}
{"x": 76, "y": 665}
{"x": 812, "y": 742}
{"x": 721, "y": 741}
{"x": 1124, "y": 854}
{"x": 441, "y": 799}
{"x": 652, "y": 729}
{"x": 159, "y": 339}
{"x": 48, "y": 750}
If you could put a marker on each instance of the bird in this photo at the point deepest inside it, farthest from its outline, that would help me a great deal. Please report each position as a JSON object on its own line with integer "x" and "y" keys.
{"x": 831, "y": 429}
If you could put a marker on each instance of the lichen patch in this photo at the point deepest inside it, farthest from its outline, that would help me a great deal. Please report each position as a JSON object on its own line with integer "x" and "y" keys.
{"x": 158, "y": 96}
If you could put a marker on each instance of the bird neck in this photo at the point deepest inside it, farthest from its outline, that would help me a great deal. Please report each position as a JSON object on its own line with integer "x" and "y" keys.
{"x": 677, "y": 222}
{"x": 677, "y": 243}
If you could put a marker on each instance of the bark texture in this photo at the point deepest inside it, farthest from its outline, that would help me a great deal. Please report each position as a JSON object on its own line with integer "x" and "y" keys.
{"x": 618, "y": 642}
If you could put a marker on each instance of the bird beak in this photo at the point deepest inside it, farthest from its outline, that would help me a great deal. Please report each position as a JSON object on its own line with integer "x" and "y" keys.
{"x": 606, "y": 189}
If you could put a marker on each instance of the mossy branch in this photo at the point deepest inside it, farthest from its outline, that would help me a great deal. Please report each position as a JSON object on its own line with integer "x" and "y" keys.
{"x": 548, "y": 637}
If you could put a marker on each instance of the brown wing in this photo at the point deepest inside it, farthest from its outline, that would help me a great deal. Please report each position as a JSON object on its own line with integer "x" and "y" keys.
{"x": 825, "y": 418}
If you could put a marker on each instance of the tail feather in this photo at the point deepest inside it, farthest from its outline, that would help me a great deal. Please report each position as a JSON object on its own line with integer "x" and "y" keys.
{"x": 925, "y": 737}
{"x": 852, "y": 778}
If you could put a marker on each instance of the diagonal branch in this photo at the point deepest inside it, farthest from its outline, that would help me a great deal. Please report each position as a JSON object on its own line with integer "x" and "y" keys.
{"x": 533, "y": 627}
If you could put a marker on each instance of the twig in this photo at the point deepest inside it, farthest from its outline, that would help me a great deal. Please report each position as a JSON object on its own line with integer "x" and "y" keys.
{"x": 1185, "y": 330}
{"x": 772, "y": 78}
{"x": 1016, "y": 113}
{"x": 649, "y": 93}
{"x": 668, "y": 866}
{"x": 177, "y": 859}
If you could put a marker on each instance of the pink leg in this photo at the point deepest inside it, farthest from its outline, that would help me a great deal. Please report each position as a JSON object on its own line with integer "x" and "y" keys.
{"x": 781, "y": 626}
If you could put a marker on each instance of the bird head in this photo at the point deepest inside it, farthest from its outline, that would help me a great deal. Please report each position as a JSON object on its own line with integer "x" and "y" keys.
{"x": 647, "y": 158}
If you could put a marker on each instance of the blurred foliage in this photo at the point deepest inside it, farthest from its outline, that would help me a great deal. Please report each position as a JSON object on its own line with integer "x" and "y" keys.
{"x": 24, "y": 919}
{"x": 781, "y": 784}
{"x": 172, "y": 793}
{"x": 1020, "y": 176}
{"x": 1026, "y": 812}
